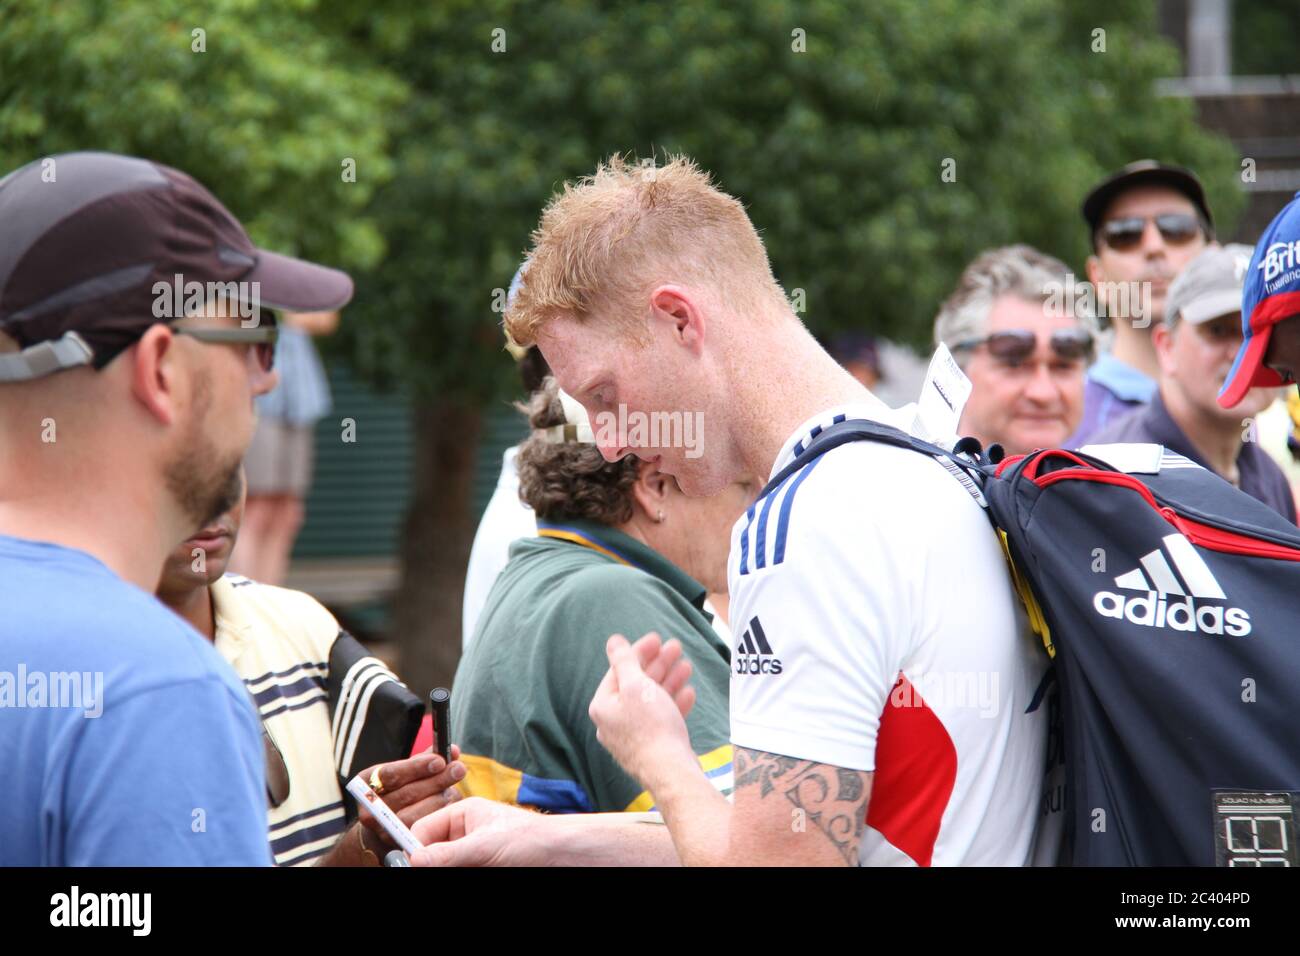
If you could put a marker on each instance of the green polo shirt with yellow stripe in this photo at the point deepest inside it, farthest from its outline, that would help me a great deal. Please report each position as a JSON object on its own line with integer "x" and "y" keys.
{"x": 520, "y": 698}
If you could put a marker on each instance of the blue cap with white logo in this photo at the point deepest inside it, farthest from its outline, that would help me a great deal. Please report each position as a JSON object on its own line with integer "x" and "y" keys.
{"x": 1271, "y": 294}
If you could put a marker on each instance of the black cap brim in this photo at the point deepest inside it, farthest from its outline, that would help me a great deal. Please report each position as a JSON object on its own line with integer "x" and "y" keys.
{"x": 296, "y": 285}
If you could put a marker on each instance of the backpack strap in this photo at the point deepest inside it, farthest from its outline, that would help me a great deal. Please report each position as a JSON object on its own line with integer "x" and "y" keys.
{"x": 973, "y": 472}
{"x": 858, "y": 429}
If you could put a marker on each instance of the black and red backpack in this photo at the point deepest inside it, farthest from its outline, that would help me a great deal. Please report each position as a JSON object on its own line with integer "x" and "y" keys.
{"x": 1169, "y": 603}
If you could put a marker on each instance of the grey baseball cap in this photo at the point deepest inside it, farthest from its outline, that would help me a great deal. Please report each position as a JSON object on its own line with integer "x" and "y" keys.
{"x": 1209, "y": 286}
{"x": 85, "y": 238}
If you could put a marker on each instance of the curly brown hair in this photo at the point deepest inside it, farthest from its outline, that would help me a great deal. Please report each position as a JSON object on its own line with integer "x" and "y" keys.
{"x": 562, "y": 481}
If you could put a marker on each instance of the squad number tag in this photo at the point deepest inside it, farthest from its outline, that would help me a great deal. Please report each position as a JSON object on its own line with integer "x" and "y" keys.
{"x": 1255, "y": 828}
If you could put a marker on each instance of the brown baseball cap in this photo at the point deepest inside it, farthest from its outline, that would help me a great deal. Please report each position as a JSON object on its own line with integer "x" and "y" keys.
{"x": 1145, "y": 172}
{"x": 89, "y": 241}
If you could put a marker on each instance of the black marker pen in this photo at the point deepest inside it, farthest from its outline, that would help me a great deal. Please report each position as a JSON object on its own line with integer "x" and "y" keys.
{"x": 440, "y": 703}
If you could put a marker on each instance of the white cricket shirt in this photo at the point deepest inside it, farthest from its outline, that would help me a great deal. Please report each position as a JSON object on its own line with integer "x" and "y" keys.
{"x": 877, "y": 629}
{"x": 505, "y": 521}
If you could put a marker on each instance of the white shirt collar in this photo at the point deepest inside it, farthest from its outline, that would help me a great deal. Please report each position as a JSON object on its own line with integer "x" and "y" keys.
{"x": 232, "y": 625}
{"x": 874, "y": 410}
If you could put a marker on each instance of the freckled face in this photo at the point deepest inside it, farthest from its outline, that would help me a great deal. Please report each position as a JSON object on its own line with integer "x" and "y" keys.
{"x": 621, "y": 382}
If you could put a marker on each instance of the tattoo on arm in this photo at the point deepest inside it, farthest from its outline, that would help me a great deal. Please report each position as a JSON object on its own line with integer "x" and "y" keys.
{"x": 833, "y": 798}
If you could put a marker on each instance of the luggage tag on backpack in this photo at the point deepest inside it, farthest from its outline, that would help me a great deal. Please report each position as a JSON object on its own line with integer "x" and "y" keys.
{"x": 1255, "y": 828}
{"x": 943, "y": 396}
{"x": 938, "y": 412}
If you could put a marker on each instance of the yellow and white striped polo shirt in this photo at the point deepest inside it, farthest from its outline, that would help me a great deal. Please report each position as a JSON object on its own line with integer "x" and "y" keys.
{"x": 278, "y": 642}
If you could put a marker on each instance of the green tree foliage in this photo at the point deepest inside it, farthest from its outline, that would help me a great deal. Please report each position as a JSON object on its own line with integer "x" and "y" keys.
{"x": 837, "y": 150}
{"x": 264, "y": 114}
{"x": 833, "y": 120}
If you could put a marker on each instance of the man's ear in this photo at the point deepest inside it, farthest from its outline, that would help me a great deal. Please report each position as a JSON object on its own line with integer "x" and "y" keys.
{"x": 677, "y": 307}
{"x": 1092, "y": 266}
{"x": 650, "y": 489}
{"x": 1162, "y": 337}
{"x": 1097, "y": 279}
{"x": 155, "y": 373}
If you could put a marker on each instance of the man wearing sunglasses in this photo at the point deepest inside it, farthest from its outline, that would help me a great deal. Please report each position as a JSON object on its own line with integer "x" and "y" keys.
{"x": 1196, "y": 344}
{"x": 258, "y": 342}
{"x": 1024, "y": 354}
{"x": 122, "y": 428}
{"x": 1146, "y": 222}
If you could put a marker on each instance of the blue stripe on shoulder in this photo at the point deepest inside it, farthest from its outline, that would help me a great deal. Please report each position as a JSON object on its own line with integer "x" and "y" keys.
{"x": 817, "y": 430}
{"x": 783, "y": 525}
{"x": 760, "y": 542}
{"x": 744, "y": 541}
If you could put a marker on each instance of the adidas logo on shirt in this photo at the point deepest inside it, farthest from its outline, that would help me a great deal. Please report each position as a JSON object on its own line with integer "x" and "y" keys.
{"x": 753, "y": 653}
{"x": 1177, "y": 601}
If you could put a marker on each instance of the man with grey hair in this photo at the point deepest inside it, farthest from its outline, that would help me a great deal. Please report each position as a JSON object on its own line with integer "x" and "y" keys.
{"x": 1022, "y": 345}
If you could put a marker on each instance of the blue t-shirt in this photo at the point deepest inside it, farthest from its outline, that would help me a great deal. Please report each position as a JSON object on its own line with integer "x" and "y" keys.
{"x": 125, "y": 739}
